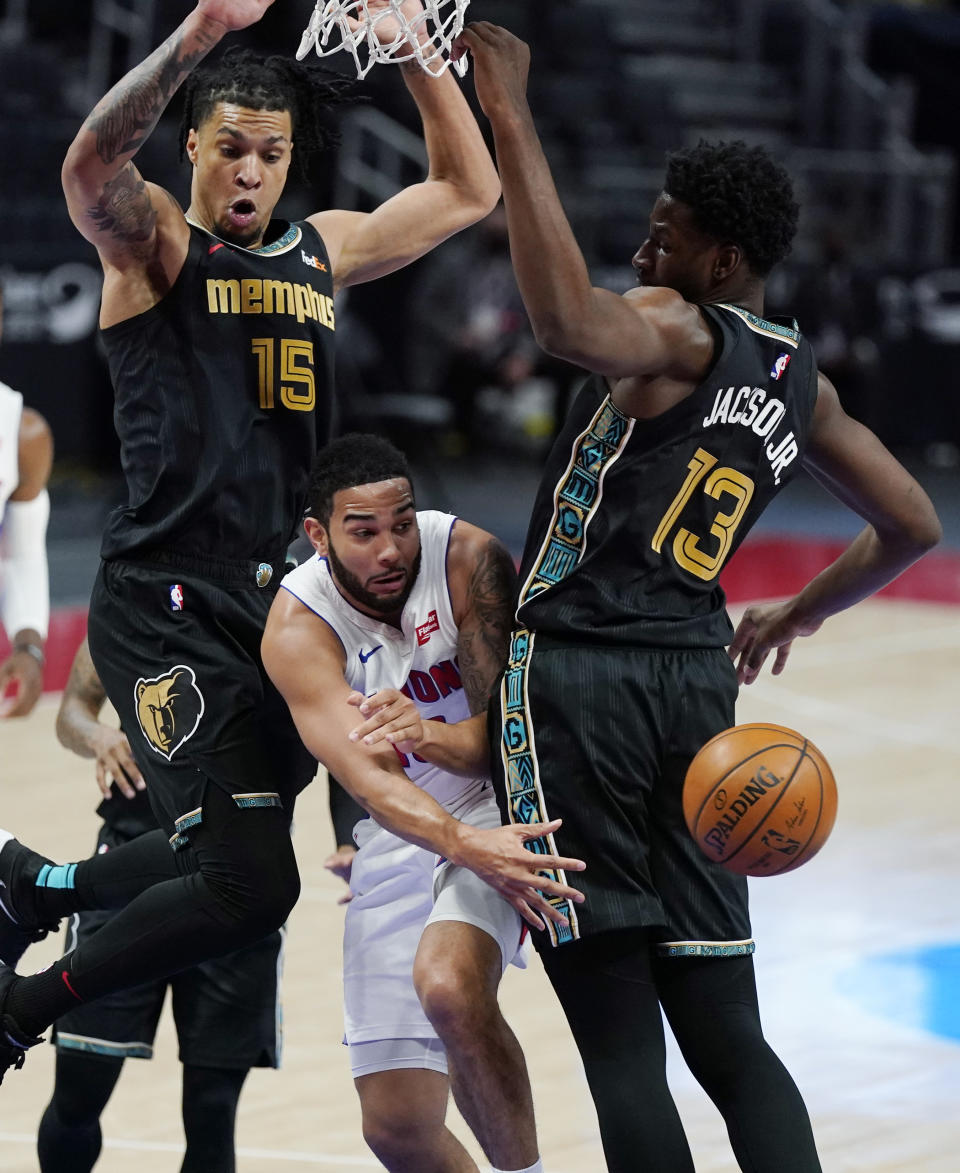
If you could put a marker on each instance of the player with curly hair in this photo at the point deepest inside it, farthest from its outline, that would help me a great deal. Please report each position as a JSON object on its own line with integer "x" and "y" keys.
{"x": 699, "y": 410}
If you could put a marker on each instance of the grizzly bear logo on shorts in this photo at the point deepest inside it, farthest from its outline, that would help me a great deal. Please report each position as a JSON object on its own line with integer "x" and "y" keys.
{"x": 169, "y": 709}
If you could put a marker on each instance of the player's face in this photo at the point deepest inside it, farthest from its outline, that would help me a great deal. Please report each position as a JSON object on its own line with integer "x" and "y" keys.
{"x": 241, "y": 158}
{"x": 676, "y": 254}
{"x": 373, "y": 546}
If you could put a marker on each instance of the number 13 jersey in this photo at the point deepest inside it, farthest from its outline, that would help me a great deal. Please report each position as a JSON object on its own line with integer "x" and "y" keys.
{"x": 635, "y": 519}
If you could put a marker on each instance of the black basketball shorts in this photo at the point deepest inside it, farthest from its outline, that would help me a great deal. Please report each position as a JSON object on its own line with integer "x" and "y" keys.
{"x": 178, "y": 653}
{"x": 601, "y": 738}
{"x": 227, "y": 1011}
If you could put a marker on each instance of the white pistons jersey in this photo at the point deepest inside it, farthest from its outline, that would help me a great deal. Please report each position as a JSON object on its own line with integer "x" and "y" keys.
{"x": 420, "y": 660}
{"x": 398, "y": 887}
{"x": 11, "y": 409}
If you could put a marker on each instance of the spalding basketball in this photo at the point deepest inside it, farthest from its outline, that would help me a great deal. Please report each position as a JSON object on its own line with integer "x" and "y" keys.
{"x": 760, "y": 799}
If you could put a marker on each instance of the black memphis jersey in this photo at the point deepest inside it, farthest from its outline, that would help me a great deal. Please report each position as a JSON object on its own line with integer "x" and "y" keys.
{"x": 224, "y": 390}
{"x": 634, "y": 519}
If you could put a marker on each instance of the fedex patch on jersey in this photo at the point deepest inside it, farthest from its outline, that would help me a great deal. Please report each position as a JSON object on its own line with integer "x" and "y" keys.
{"x": 176, "y": 597}
{"x": 313, "y": 262}
{"x": 779, "y": 367}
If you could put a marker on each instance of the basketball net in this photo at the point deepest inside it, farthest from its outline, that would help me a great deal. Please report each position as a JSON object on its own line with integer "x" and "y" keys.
{"x": 425, "y": 35}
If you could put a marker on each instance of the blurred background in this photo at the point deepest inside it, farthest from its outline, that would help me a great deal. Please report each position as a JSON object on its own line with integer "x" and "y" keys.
{"x": 859, "y": 101}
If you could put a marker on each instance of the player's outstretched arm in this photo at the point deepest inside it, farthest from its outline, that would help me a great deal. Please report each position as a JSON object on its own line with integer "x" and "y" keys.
{"x": 902, "y": 525}
{"x": 648, "y": 332}
{"x": 461, "y": 188}
{"x": 25, "y": 604}
{"x": 80, "y": 730}
{"x": 305, "y": 663}
{"x": 108, "y": 200}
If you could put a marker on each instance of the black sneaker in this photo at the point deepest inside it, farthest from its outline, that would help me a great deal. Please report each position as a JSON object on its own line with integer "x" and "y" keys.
{"x": 16, "y": 931}
{"x": 13, "y": 1041}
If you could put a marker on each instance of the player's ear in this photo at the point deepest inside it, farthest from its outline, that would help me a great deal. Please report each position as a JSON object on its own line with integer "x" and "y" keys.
{"x": 726, "y": 261}
{"x": 316, "y": 534}
{"x": 191, "y": 146}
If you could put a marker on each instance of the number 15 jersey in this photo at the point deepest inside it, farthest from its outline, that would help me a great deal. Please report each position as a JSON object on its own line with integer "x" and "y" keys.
{"x": 223, "y": 391}
{"x": 634, "y": 519}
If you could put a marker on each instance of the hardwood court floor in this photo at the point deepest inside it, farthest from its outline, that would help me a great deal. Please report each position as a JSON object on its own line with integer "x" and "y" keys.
{"x": 856, "y": 1017}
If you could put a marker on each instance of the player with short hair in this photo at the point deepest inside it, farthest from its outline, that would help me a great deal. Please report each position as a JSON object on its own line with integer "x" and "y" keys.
{"x": 699, "y": 410}
{"x": 26, "y": 457}
{"x": 227, "y": 1011}
{"x": 406, "y": 614}
{"x": 218, "y": 325}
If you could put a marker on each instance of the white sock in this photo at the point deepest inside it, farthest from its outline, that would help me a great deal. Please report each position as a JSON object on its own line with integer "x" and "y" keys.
{"x": 537, "y": 1167}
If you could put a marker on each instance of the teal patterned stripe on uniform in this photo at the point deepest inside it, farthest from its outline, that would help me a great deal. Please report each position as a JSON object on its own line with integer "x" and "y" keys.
{"x": 249, "y": 801}
{"x": 525, "y": 799}
{"x": 706, "y": 948}
{"x": 577, "y": 496}
{"x": 104, "y": 1047}
{"x": 762, "y": 326}
{"x": 194, "y": 818}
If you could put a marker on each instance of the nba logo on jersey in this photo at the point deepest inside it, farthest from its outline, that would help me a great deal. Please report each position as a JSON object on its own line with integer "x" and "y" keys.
{"x": 176, "y": 597}
{"x": 779, "y": 367}
{"x": 425, "y": 630}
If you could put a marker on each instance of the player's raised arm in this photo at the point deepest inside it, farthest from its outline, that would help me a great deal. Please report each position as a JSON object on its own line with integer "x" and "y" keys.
{"x": 902, "y": 525}
{"x": 108, "y": 200}
{"x": 461, "y": 187}
{"x": 649, "y": 332}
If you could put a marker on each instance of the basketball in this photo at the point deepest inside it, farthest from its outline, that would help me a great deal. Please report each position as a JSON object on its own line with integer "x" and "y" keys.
{"x": 760, "y": 799}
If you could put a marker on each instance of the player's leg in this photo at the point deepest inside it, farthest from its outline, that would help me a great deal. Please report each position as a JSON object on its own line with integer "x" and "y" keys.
{"x": 92, "y": 1043}
{"x": 606, "y": 988}
{"x": 703, "y": 962}
{"x": 470, "y": 938}
{"x": 575, "y": 736}
{"x": 711, "y": 1005}
{"x": 457, "y": 973}
{"x": 210, "y": 1098}
{"x": 37, "y": 892}
{"x": 245, "y": 886}
{"x": 69, "y": 1137}
{"x": 227, "y": 1014}
{"x": 403, "y": 1090}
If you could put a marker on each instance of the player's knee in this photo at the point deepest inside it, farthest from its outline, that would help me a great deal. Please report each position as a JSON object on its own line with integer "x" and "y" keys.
{"x": 452, "y": 996}
{"x": 396, "y": 1136}
{"x": 256, "y": 900}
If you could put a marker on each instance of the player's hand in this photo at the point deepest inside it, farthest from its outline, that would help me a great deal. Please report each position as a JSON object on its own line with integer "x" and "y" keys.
{"x": 341, "y": 864}
{"x": 763, "y": 628}
{"x": 114, "y": 761}
{"x": 391, "y": 717}
{"x": 233, "y": 14}
{"x": 501, "y": 63}
{"x": 387, "y": 29}
{"x": 20, "y": 672}
{"x": 500, "y": 859}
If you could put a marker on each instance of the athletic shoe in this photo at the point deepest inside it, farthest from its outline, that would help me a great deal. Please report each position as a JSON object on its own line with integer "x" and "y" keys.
{"x": 16, "y": 930}
{"x": 13, "y": 1041}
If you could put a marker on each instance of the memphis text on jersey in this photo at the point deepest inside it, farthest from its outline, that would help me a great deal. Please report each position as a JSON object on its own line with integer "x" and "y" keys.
{"x": 252, "y": 295}
{"x": 750, "y": 407}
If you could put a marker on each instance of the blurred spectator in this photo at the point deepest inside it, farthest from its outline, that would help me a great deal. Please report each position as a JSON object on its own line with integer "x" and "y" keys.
{"x": 471, "y": 343}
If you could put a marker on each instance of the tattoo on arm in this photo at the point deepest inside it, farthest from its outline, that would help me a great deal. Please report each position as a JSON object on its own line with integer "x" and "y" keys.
{"x": 485, "y": 633}
{"x": 127, "y": 115}
{"x": 124, "y": 208}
